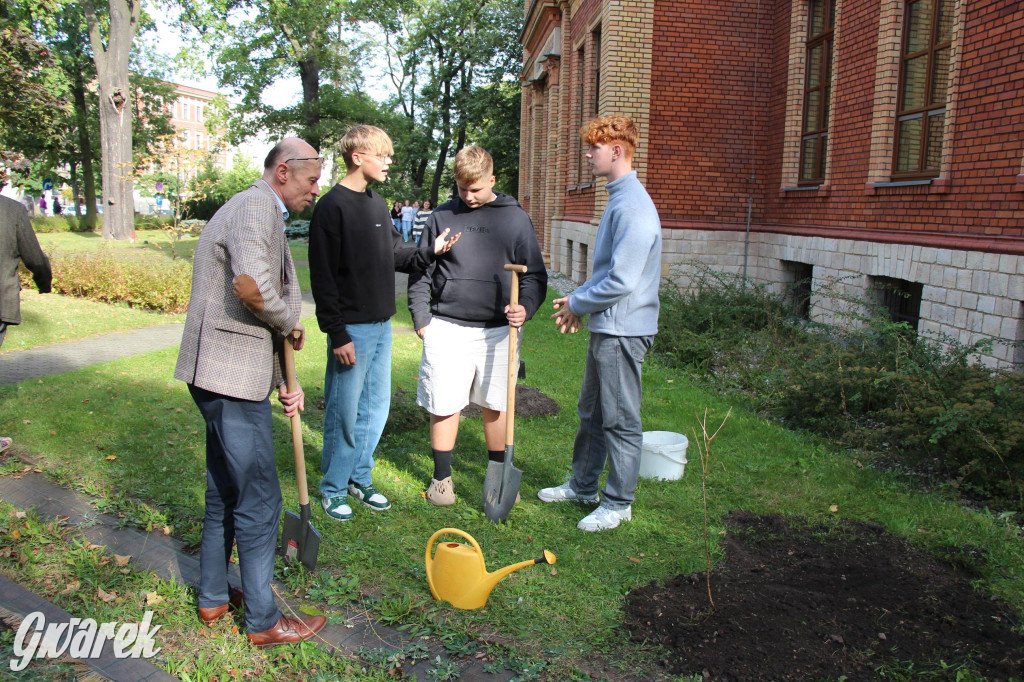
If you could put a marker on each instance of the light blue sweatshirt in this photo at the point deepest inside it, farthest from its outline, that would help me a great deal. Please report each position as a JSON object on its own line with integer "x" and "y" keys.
{"x": 621, "y": 296}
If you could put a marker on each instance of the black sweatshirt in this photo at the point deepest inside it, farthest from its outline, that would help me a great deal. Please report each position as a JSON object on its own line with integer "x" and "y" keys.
{"x": 469, "y": 285}
{"x": 354, "y": 252}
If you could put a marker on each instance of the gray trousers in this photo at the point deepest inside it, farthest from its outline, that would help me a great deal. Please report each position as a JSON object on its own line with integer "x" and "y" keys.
{"x": 609, "y": 409}
{"x": 243, "y": 504}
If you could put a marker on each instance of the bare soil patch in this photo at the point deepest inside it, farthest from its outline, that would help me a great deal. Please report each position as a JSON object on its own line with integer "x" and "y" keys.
{"x": 808, "y": 600}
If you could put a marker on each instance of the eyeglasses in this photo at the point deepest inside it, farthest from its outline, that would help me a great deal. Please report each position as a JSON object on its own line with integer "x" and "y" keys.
{"x": 379, "y": 157}
{"x": 318, "y": 159}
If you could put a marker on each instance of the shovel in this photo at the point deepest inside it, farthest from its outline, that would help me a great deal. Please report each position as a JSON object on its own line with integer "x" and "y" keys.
{"x": 299, "y": 539}
{"x": 501, "y": 482}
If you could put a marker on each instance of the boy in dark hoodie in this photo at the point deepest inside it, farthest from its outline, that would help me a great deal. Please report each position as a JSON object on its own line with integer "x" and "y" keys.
{"x": 460, "y": 309}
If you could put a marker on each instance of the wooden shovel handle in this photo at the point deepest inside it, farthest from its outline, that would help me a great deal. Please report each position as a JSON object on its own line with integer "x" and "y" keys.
{"x": 513, "y": 357}
{"x": 300, "y": 457}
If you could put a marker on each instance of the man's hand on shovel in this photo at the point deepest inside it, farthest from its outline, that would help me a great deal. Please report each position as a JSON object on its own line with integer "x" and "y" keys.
{"x": 294, "y": 401}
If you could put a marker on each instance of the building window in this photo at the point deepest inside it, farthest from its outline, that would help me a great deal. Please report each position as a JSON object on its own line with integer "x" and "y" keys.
{"x": 799, "y": 280}
{"x": 817, "y": 91}
{"x": 901, "y": 298}
{"x": 580, "y": 67}
{"x": 596, "y": 50}
{"x": 923, "y": 85}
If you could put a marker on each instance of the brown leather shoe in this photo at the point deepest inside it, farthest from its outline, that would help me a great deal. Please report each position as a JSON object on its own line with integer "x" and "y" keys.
{"x": 212, "y": 614}
{"x": 288, "y": 630}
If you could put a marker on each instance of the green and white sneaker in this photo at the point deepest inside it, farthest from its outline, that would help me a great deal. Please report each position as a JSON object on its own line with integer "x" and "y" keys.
{"x": 369, "y": 496}
{"x": 337, "y": 508}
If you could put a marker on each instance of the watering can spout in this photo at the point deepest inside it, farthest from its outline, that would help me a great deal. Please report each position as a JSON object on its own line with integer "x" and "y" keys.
{"x": 458, "y": 575}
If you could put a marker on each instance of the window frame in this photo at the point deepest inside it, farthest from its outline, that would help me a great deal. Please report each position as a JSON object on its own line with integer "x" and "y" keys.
{"x": 825, "y": 40}
{"x": 929, "y": 108}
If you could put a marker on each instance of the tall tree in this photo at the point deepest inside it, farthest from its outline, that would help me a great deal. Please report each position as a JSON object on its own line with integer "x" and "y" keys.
{"x": 254, "y": 43}
{"x": 111, "y": 57}
{"x": 440, "y": 55}
{"x": 35, "y": 94}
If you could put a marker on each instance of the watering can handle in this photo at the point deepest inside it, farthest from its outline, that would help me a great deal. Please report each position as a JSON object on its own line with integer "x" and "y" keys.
{"x": 432, "y": 541}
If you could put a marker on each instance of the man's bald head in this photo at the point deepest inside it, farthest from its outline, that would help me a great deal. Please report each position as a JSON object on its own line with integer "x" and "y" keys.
{"x": 292, "y": 169}
{"x": 288, "y": 148}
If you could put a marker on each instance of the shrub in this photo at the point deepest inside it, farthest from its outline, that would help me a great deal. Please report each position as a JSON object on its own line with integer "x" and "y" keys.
{"x": 139, "y": 283}
{"x": 60, "y": 223}
{"x": 867, "y": 382}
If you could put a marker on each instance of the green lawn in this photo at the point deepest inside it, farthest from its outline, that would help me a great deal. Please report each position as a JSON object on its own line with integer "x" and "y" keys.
{"x": 134, "y": 410}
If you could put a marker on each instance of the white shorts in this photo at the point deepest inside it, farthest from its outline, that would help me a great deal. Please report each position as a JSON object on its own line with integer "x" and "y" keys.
{"x": 461, "y": 365}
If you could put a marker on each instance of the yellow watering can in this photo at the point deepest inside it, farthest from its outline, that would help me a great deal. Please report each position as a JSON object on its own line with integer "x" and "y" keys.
{"x": 458, "y": 575}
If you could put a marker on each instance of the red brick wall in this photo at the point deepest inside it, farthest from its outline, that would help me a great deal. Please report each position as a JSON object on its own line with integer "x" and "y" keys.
{"x": 706, "y": 104}
{"x": 705, "y": 107}
{"x": 987, "y": 138}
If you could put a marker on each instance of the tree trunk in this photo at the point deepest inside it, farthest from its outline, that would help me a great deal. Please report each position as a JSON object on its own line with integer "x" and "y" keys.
{"x": 309, "y": 71}
{"x": 115, "y": 114}
{"x": 85, "y": 156}
{"x": 446, "y": 139}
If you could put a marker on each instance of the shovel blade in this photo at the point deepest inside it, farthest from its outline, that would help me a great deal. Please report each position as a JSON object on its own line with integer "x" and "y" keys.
{"x": 300, "y": 541}
{"x": 501, "y": 486}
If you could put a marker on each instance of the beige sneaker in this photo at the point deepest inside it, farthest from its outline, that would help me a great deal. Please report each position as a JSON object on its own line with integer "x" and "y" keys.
{"x": 441, "y": 493}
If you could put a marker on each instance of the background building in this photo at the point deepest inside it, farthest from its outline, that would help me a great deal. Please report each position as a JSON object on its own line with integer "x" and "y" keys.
{"x": 873, "y": 142}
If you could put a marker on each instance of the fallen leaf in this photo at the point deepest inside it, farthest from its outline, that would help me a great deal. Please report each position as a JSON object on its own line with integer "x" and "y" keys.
{"x": 90, "y": 545}
{"x": 122, "y": 559}
{"x": 53, "y": 433}
{"x": 26, "y": 421}
{"x": 105, "y": 596}
{"x": 110, "y": 458}
{"x": 72, "y": 587}
{"x": 152, "y": 598}
{"x": 16, "y": 534}
{"x": 554, "y": 571}
{"x": 17, "y": 514}
{"x": 125, "y": 571}
{"x": 634, "y": 559}
{"x": 834, "y": 508}
{"x": 168, "y": 530}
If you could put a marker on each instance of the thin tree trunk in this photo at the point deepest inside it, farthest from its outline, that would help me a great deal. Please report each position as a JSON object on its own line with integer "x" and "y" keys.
{"x": 446, "y": 140}
{"x": 85, "y": 156}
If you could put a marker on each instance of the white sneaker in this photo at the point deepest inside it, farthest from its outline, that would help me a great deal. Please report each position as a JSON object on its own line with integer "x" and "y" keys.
{"x": 565, "y": 493}
{"x": 604, "y": 518}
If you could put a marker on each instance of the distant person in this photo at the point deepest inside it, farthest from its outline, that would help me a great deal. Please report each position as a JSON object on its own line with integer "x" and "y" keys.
{"x": 460, "y": 310}
{"x": 56, "y": 206}
{"x": 421, "y": 220}
{"x": 396, "y": 216}
{"x": 42, "y": 204}
{"x": 621, "y": 298}
{"x": 353, "y": 256}
{"x": 408, "y": 218}
{"x": 245, "y": 300}
{"x": 18, "y": 244}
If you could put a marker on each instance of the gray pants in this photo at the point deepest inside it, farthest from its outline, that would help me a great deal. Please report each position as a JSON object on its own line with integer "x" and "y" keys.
{"x": 609, "y": 409}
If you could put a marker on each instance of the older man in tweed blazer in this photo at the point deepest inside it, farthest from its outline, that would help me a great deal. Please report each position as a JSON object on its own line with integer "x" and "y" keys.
{"x": 245, "y": 300}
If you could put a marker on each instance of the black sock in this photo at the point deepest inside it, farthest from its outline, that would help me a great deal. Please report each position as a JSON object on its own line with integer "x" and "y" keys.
{"x": 442, "y": 464}
{"x": 496, "y": 455}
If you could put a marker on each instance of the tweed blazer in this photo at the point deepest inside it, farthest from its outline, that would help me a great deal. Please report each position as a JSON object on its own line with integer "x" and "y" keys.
{"x": 18, "y": 243}
{"x": 226, "y": 347}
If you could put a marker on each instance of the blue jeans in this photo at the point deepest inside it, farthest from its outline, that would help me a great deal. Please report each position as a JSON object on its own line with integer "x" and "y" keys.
{"x": 358, "y": 400}
{"x": 406, "y": 229}
{"x": 609, "y": 409}
{"x": 243, "y": 503}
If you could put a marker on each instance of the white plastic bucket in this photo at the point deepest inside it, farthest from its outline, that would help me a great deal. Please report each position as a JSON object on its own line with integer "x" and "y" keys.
{"x": 663, "y": 455}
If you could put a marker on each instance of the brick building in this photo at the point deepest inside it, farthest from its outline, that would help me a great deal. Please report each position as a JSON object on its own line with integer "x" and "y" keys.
{"x": 860, "y": 141}
{"x": 189, "y": 113}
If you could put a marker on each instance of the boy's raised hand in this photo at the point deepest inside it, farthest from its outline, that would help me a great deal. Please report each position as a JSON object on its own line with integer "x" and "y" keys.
{"x": 565, "y": 319}
{"x": 442, "y": 244}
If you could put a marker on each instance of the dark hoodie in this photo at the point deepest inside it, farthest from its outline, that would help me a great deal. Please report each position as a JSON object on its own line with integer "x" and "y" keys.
{"x": 469, "y": 285}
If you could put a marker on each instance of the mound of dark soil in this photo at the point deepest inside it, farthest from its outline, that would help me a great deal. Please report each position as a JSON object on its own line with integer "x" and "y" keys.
{"x": 799, "y": 602}
{"x": 530, "y": 402}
